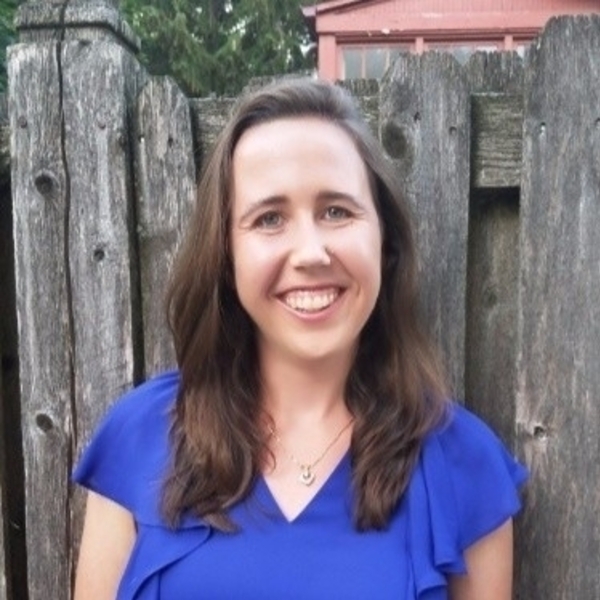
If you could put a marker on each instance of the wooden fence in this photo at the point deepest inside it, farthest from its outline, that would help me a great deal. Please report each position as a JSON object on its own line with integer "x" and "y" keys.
{"x": 501, "y": 162}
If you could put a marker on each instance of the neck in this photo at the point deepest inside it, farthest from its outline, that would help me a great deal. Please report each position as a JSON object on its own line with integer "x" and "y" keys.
{"x": 303, "y": 392}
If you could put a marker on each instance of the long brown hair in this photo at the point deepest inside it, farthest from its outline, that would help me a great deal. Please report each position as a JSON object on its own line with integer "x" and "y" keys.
{"x": 395, "y": 389}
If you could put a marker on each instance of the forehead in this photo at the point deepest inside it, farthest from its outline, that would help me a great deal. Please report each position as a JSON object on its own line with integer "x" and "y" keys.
{"x": 312, "y": 133}
{"x": 301, "y": 157}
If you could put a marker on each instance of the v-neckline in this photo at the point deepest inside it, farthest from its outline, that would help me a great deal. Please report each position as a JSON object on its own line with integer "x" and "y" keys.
{"x": 321, "y": 491}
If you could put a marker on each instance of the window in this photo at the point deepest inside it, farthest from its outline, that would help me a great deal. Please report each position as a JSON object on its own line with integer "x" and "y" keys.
{"x": 368, "y": 62}
{"x": 462, "y": 51}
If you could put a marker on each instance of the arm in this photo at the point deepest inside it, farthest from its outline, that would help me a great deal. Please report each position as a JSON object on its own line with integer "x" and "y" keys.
{"x": 108, "y": 538}
{"x": 489, "y": 568}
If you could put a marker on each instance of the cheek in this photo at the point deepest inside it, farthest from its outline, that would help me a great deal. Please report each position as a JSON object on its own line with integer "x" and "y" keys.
{"x": 253, "y": 270}
{"x": 367, "y": 256}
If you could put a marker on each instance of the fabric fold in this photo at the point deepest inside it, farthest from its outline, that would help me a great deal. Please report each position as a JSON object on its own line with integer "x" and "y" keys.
{"x": 157, "y": 548}
{"x": 465, "y": 487}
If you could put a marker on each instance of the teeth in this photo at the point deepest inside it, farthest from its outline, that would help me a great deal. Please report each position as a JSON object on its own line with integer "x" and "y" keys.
{"x": 311, "y": 301}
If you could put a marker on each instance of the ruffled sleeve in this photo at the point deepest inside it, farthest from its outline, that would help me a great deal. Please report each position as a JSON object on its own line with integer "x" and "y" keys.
{"x": 465, "y": 486}
{"x": 126, "y": 461}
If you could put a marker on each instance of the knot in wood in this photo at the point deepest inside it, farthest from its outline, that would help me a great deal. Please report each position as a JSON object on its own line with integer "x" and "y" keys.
{"x": 44, "y": 422}
{"x": 46, "y": 183}
{"x": 394, "y": 140}
{"x": 99, "y": 254}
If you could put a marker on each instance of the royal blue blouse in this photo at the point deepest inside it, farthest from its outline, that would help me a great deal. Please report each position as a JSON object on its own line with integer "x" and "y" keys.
{"x": 463, "y": 487}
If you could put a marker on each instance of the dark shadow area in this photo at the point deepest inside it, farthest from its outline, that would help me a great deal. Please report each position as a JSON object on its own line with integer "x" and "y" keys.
{"x": 11, "y": 448}
{"x": 492, "y": 308}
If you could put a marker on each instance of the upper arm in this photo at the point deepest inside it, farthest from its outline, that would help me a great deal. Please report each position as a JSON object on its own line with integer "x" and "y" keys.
{"x": 489, "y": 568}
{"x": 107, "y": 540}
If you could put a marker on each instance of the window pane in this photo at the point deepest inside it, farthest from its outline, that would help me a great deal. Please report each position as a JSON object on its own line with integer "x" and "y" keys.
{"x": 352, "y": 58}
{"x": 521, "y": 48}
{"x": 462, "y": 53}
{"x": 375, "y": 62}
{"x": 394, "y": 53}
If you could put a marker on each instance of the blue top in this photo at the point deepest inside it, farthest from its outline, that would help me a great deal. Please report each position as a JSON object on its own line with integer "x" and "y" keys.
{"x": 463, "y": 487}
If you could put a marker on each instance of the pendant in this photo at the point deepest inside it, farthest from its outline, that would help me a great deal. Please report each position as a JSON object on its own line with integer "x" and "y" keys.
{"x": 306, "y": 476}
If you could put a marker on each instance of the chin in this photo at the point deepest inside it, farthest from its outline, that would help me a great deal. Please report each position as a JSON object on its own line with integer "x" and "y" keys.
{"x": 315, "y": 353}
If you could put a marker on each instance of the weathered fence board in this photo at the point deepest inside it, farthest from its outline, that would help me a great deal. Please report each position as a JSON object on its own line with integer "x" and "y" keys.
{"x": 76, "y": 272}
{"x": 559, "y": 313}
{"x": 496, "y": 82}
{"x": 425, "y": 129}
{"x": 99, "y": 82}
{"x": 209, "y": 116}
{"x": 490, "y": 368}
{"x": 165, "y": 193}
{"x": 40, "y": 208}
{"x": 497, "y": 122}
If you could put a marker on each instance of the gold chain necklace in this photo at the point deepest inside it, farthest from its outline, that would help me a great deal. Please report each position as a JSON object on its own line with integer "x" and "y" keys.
{"x": 307, "y": 475}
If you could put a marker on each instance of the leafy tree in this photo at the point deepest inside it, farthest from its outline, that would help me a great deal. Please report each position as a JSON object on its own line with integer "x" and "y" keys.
{"x": 216, "y": 46}
{"x": 208, "y": 46}
{"x": 7, "y": 35}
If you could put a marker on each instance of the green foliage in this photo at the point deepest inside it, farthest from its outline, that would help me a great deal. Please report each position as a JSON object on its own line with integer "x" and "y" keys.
{"x": 217, "y": 46}
{"x": 7, "y": 35}
{"x": 207, "y": 46}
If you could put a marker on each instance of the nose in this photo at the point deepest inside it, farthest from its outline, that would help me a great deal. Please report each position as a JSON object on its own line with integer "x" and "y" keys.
{"x": 309, "y": 247}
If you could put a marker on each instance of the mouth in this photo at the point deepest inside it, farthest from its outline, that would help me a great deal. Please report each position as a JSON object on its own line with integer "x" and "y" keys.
{"x": 311, "y": 301}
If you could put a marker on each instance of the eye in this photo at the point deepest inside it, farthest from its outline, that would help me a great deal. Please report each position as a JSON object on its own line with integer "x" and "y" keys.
{"x": 337, "y": 213}
{"x": 269, "y": 220}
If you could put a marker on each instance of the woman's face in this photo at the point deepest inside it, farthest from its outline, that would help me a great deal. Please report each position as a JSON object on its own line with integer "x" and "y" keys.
{"x": 305, "y": 237}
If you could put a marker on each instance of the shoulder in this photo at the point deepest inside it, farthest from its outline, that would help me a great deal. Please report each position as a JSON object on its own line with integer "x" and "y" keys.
{"x": 146, "y": 402}
{"x": 465, "y": 486}
{"x": 465, "y": 458}
{"x": 465, "y": 435}
{"x": 127, "y": 457}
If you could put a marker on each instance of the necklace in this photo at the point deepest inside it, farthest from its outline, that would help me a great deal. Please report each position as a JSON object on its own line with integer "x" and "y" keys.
{"x": 307, "y": 475}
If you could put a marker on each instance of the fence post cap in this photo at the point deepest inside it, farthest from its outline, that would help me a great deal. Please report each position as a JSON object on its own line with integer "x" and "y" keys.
{"x": 45, "y": 19}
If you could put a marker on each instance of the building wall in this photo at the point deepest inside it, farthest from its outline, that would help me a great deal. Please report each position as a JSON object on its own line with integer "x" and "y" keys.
{"x": 418, "y": 25}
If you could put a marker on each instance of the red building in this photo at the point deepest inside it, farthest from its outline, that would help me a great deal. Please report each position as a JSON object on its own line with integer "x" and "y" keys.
{"x": 360, "y": 38}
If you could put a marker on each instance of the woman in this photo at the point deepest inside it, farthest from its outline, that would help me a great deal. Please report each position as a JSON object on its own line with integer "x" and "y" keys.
{"x": 305, "y": 448}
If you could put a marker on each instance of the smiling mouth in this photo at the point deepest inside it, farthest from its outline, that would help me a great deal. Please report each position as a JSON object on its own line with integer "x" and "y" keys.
{"x": 310, "y": 301}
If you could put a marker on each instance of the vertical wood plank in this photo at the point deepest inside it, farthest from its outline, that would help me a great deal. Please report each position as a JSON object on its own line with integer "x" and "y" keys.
{"x": 165, "y": 193}
{"x": 559, "y": 318}
{"x": 40, "y": 208}
{"x": 493, "y": 266}
{"x": 99, "y": 83}
{"x": 490, "y": 372}
{"x": 76, "y": 273}
{"x": 425, "y": 129}
{"x": 209, "y": 116}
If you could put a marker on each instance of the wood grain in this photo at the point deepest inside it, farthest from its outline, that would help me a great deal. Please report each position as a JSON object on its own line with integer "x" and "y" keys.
{"x": 425, "y": 129}
{"x": 99, "y": 84}
{"x": 497, "y": 142}
{"x": 166, "y": 191}
{"x": 40, "y": 208}
{"x": 496, "y": 84}
{"x": 559, "y": 313}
